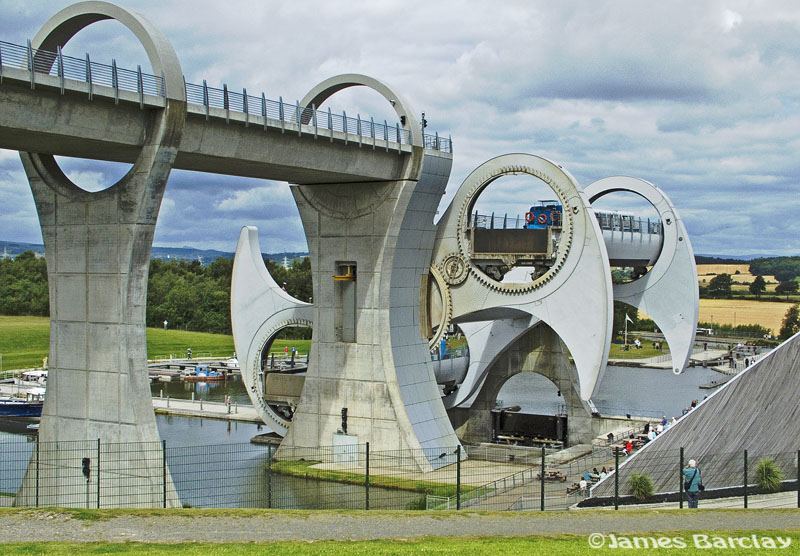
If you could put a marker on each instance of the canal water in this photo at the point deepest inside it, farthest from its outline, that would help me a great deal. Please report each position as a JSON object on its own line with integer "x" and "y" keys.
{"x": 214, "y": 464}
{"x": 642, "y": 392}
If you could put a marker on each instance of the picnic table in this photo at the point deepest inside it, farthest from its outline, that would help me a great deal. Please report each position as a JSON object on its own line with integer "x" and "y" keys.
{"x": 512, "y": 439}
{"x": 552, "y": 476}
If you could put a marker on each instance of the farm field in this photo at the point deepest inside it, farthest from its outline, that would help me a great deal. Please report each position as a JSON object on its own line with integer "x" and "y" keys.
{"x": 768, "y": 314}
{"x": 705, "y": 272}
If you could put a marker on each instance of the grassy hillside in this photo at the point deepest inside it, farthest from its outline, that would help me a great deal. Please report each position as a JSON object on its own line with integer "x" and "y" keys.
{"x": 25, "y": 341}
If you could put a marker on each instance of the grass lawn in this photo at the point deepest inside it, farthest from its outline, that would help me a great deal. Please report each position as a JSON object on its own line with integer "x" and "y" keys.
{"x": 550, "y": 545}
{"x": 617, "y": 351}
{"x": 25, "y": 341}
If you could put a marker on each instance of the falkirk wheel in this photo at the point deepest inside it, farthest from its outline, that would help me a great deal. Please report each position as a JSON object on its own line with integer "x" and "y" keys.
{"x": 567, "y": 294}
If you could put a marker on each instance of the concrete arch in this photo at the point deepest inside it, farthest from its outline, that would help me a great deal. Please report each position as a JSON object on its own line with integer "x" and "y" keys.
{"x": 333, "y": 85}
{"x": 168, "y": 128}
{"x": 539, "y": 350}
{"x": 64, "y": 25}
{"x": 662, "y": 292}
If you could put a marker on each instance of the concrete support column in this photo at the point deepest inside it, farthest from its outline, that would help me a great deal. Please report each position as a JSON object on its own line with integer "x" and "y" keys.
{"x": 97, "y": 245}
{"x": 98, "y": 252}
{"x": 368, "y": 354}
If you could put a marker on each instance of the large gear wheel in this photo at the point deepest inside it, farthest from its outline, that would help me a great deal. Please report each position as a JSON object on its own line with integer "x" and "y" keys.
{"x": 446, "y": 314}
{"x": 565, "y": 242}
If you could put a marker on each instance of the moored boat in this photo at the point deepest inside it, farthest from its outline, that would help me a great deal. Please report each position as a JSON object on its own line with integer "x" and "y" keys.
{"x": 203, "y": 373}
{"x": 17, "y": 407}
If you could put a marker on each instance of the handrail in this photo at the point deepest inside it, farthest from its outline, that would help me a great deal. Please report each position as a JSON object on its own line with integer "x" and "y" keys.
{"x": 606, "y": 221}
{"x": 93, "y": 73}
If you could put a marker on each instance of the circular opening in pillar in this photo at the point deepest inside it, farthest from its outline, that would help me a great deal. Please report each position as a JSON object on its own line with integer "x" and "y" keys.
{"x": 92, "y": 175}
{"x": 365, "y": 104}
{"x": 114, "y": 53}
{"x": 284, "y": 360}
{"x": 632, "y": 231}
{"x": 515, "y": 228}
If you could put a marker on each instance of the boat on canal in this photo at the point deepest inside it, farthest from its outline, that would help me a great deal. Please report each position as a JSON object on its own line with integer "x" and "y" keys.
{"x": 203, "y": 373}
{"x": 19, "y": 407}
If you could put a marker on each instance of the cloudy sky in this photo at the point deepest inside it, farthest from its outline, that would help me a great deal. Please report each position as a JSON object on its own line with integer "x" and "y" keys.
{"x": 700, "y": 98}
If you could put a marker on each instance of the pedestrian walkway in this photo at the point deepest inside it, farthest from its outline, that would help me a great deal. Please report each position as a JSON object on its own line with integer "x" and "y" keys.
{"x": 200, "y": 526}
{"x": 760, "y": 501}
{"x": 210, "y": 410}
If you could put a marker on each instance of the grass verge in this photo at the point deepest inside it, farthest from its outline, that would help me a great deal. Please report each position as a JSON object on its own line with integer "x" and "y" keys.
{"x": 304, "y": 469}
{"x": 551, "y": 545}
{"x": 617, "y": 351}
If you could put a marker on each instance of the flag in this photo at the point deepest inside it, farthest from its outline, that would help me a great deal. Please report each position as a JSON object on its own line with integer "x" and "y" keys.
{"x": 627, "y": 318}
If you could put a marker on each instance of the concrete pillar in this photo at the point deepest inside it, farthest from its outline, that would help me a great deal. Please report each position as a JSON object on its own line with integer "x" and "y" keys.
{"x": 367, "y": 353}
{"x": 370, "y": 246}
{"x": 541, "y": 351}
{"x": 98, "y": 253}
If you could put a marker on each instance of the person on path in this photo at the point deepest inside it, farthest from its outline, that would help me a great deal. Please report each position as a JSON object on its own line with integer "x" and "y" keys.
{"x": 693, "y": 483}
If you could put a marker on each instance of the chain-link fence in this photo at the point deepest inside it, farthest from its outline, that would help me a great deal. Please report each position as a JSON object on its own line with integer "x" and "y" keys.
{"x": 93, "y": 474}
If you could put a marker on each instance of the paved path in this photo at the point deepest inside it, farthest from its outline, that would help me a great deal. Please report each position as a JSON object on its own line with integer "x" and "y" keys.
{"x": 276, "y": 525}
{"x": 210, "y": 410}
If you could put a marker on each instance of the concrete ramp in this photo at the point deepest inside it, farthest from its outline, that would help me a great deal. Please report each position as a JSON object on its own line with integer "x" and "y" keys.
{"x": 757, "y": 411}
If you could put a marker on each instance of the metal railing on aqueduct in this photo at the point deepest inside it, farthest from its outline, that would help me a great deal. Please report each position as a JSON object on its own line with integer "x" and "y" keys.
{"x": 144, "y": 84}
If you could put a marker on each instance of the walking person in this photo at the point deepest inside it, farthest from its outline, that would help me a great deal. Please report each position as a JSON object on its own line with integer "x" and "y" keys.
{"x": 692, "y": 483}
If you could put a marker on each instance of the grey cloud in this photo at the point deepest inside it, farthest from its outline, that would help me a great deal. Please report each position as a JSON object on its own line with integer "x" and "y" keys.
{"x": 670, "y": 92}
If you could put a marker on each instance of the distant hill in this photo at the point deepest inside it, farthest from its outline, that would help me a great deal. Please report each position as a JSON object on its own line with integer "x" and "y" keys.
{"x": 205, "y": 256}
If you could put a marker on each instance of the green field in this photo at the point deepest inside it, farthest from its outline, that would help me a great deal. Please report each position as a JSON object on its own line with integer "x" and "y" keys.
{"x": 550, "y": 545}
{"x": 25, "y": 341}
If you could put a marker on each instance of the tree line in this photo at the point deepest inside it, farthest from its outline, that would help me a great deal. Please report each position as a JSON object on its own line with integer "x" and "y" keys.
{"x": 190, "y": 296}
{"x": 785, "y": 269}
{"x": 186, "y": 294}
{"x": 720, "y": 287}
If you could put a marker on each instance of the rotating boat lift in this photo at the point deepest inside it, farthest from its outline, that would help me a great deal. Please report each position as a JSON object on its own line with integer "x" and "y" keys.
{"x": 570, "y": 289}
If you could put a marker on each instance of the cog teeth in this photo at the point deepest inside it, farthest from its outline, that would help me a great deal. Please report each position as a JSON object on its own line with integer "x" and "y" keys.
{"x": 563, "y": 250}
{"x": 447, "y": 304}
{"x": 256, "y": 363}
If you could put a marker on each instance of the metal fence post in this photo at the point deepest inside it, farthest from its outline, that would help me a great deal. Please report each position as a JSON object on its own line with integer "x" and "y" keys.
{"x": 164, "y": 470}
{"x": 458, "y": 477}
{"x": 98, "y": 473}
{"x": 541, "y": 475}
{"x": 745, "y": 478}
{"x": 269, "y": 475}
{"x": 616, "y": 478}
{"x": 366, "y": 479}
{"x": 680, "y": 479}
{"x": 797, "y": 478}
{"x": 31, "y": 65}
{"x": 37, "y": 472}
